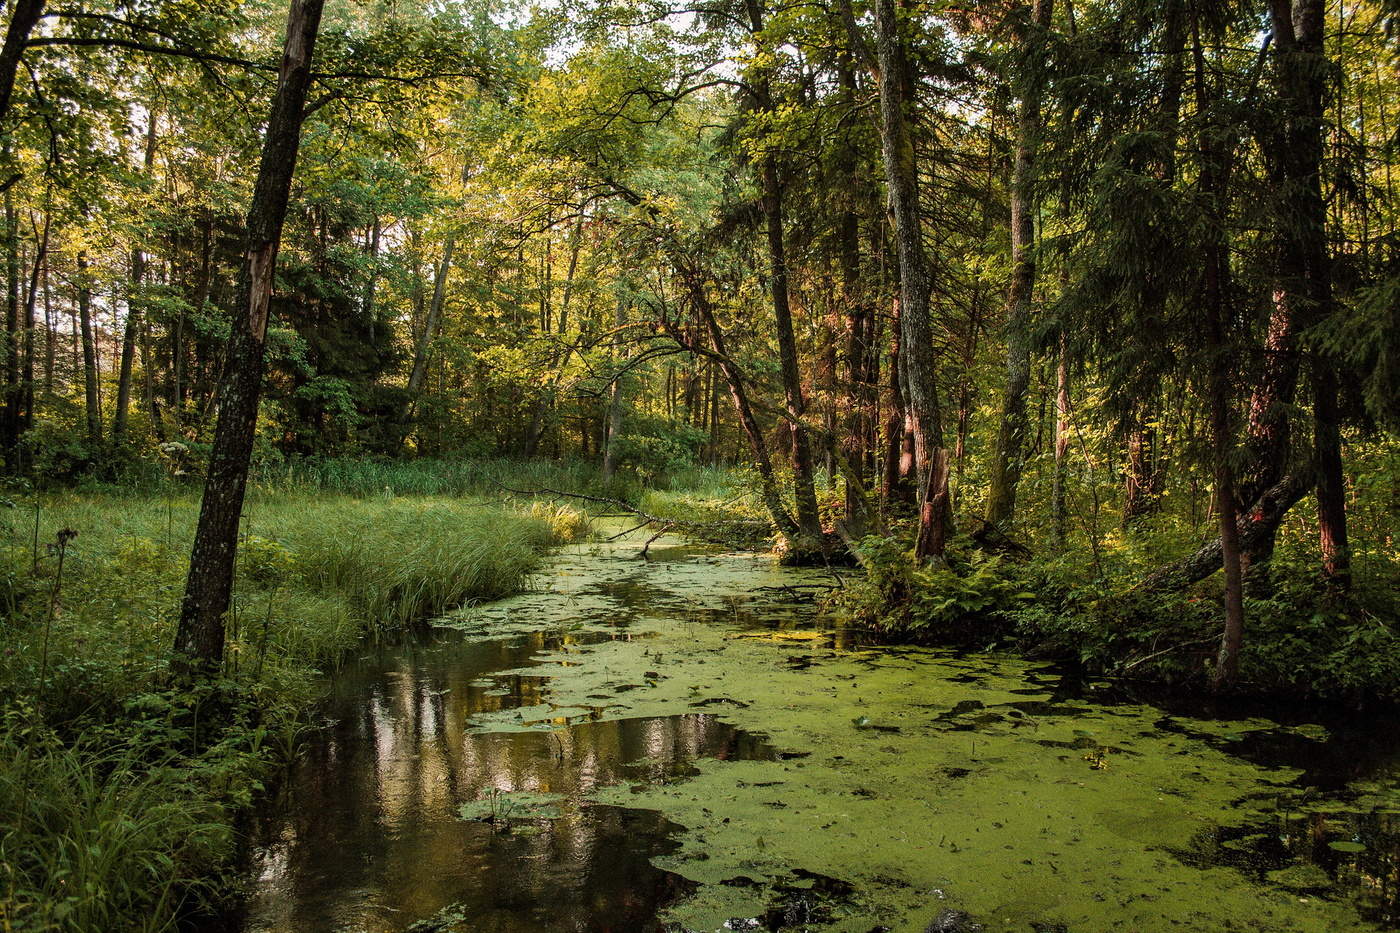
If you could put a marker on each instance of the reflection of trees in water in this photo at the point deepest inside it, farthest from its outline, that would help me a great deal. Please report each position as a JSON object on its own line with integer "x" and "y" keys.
{"x": 376, "y": 801}
{"x": 1355, "y": 855}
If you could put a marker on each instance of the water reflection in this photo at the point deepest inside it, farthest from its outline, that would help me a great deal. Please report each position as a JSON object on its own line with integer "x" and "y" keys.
{"x": 369, "y": 837}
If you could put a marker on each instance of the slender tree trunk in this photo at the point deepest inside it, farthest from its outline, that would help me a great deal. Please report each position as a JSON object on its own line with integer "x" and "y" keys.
{"x": 1059, "y": 514}
{"x": 1214, "y": 173}
{"x": 615, "y": 406}
{"x": 199, "y": 640}
{"x": 9, "y": 419}
{"x": 1009, "y": 452}
{"x": 92, "y": 406}
{"x": 768, "y": 484}
{"x": 1305, "y": 267}
{"x": 132, "y": 332}
{"x": 804, "y": 488}
{"x": 31, "y": 298}
{"x": 901, "y": 174}
{"x": 859, "y": 409}
{"x": 422, "y": 350}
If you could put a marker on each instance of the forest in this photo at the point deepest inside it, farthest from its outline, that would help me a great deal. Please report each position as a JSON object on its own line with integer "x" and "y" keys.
{"x": 522, "y": 435}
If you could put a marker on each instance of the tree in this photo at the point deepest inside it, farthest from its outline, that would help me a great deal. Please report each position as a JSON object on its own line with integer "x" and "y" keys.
{"x": 890, "y": 66}
{"x": 1010, "y": 439}
{"x": 199, "y": 640}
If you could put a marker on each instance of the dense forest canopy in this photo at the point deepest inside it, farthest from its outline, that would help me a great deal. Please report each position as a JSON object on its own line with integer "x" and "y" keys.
{"x": 1032, "y": 276}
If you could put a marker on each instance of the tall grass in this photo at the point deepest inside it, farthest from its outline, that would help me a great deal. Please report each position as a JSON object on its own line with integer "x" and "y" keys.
{"x": 117, "y": 791}
{"x": 97, "y": 839}
{"x": 459, "y": 477}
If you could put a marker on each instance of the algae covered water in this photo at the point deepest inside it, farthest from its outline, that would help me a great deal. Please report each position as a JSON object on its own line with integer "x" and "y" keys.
{"x": 686, "y": 743}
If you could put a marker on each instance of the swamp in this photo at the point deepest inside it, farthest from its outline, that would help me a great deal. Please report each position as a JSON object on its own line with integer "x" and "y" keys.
{"x": 732, "y": 465}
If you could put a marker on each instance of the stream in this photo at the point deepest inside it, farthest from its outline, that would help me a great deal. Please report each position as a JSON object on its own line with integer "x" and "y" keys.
{"x": 687, "y": 743}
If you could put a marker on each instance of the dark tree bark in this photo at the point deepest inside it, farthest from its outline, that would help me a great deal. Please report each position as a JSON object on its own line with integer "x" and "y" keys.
{"x": 795, "y": 410}
{"x": 92, "y": 405}
{"x": 859, "y": 402}
{"x": 199, "y": 640}
{"x": 804, "y": 488}
{"x": 1305, "y": 275}
{"x": 768, "y": 484}
{"x": 134, "y": 325}
{"x": 1214, "y": 174}
{"x": 901, "y": 175}
{"x": 31, "y": 300}
{"x": 23, "y": 17}
{"x": 1009, "y": 452}
{"x": 9, "y": 418}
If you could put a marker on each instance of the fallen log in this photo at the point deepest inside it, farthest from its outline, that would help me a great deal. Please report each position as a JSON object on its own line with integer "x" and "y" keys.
{"x": 1258, "y": 526}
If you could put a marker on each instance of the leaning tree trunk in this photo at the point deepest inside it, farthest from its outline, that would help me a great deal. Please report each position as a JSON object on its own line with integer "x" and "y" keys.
{"x": 901, "y": 174}
{"x": 199, "y": 640}
{"x": 1011, "y": 432}
{"x": 422, "y": 349}
{"x": 783, "y": 521}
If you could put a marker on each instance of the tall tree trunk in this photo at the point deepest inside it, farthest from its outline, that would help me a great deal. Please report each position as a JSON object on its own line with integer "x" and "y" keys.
{"x": 1305, "y": 272}
{"x": 199, "y": 639}
{"x": 804, "y": 488}
{"x": 1009, "y": 452}
{"x": 422, "y": 348}
{"x": 133, "y": 306}
{"x": 615, "y": 406}
{"x": 23, "y": 17}
{"x": 92, "y": 405}
{"x": 1059, "y": 514}
{"x": 901, "y": 175}
{"x": 1214, "y": 174}
{"x": 31, "y": 299}
{"x": 861, "y": 399}
{"x": 9, "y": 418}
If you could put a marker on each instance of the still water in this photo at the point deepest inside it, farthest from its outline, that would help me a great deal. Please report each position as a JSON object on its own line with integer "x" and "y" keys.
{"x": 686, "y": 743}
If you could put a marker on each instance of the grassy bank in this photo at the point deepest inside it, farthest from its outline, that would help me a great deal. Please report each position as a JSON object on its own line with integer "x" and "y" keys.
{"x": 119, "y": 793}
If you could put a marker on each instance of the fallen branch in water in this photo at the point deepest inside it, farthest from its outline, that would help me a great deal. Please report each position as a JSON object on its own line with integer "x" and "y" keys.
{"x": 1157, "y": 654}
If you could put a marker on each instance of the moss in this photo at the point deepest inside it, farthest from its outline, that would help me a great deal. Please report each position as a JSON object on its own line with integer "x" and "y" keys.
{"x": 925, "y": 779}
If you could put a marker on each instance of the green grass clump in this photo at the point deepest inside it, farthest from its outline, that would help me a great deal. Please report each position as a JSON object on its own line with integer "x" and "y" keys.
{"x": 96, "y": 838}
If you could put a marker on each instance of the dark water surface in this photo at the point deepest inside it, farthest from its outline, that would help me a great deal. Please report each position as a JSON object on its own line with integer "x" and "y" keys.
{"x": 456, "y": 784}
